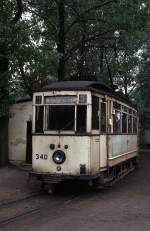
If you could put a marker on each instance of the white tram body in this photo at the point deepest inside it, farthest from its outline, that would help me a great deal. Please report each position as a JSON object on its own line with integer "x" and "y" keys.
{"x": 82, "y": 130}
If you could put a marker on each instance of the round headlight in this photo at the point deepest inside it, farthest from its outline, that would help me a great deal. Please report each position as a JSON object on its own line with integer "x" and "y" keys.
{"x": 59, "y": 157}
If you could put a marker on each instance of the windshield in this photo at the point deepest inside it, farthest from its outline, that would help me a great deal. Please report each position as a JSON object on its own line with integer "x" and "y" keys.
{"x": 60, "y": 117}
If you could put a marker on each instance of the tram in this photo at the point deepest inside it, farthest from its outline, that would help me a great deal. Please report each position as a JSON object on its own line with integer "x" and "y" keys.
{"x": 83, "y": 130}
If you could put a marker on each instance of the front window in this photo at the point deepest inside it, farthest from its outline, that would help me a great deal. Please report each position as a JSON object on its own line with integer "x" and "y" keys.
{"x": 95, "y": 113}
{"x": 39, "y": 119}
{"x": 81, "y": 118}
{"x": 60, "y": 117}
{"x": 103, "y": 117}
{"x": 60, "y": 113}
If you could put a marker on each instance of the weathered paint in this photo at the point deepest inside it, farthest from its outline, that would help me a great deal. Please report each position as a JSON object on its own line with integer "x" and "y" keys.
{"x": 121, "y": 148}
{"x": 97, "y": 152}
{"x": 78, "y": 153}
{"x": 20, "y": 114}
{"x": 103, "y": 151}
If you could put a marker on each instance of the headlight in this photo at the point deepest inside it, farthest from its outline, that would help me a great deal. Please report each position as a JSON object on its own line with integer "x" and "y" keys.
{"x": 59, "y": 157}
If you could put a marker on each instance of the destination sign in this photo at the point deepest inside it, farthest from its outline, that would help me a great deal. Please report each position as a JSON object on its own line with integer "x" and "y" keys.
{"x": 60, "y": 99}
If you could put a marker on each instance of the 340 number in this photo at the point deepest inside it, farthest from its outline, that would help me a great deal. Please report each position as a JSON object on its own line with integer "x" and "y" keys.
{"x": 41, "y": 156}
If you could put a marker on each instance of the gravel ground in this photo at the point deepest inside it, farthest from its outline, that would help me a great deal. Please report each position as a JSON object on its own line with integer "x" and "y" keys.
{"x": 123, "y": 207}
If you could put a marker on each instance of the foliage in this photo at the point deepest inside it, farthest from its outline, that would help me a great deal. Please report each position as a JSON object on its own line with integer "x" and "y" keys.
{"x": 97, "y": 38}
{"x": 74, "y": 39}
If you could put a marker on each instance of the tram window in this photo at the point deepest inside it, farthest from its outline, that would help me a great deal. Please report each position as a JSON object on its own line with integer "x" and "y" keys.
{"x": 60, "y": 117}
{"x": 117, "y": 122}
{"x": 81, "y": 118}
{"x": 38, "y": 99}
{"x": 130, "y": 111}
{"x": 124, "y": 123}
{"x": 103, "y": 117}
{"x": 117, "y": 105}
{"x": 134, "y": 125}
{"x": 129, "y": 124}
{"x": 39, "y": 118}
{"x": 95, "y": 113}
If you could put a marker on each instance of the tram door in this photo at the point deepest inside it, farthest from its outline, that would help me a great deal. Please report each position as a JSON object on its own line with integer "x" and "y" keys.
{"x": 29, "y": 142}
{"x": 99, "y": 121}
{"x": 103, "y": 135}
{"x": 95, "y": 154}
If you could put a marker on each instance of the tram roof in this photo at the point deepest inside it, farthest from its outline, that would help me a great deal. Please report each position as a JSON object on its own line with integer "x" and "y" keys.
{"x": 94, "y": 86}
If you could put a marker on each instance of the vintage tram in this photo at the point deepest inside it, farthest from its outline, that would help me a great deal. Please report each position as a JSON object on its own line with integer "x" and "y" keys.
{"x": 83, "y": 130}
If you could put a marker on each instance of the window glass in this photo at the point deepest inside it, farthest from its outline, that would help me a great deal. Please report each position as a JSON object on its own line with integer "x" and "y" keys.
{"x": 83, "y": 98}
{"x": 81, "y": 119}
{"x": 60, "y": 117}
{"x": 134, "y": 125}
{"x": 39, "y": 118}
{"x": 130, "y": 111}
{"x": 103, "y": 117}
{"x": 124, "y": 123}
{"x": 129, "y": 124}
{"x": 117, "y": 122}
{"x": 38, "y": 99}
{"x": 95, "y": 112}
{"x": 116, "y": 105}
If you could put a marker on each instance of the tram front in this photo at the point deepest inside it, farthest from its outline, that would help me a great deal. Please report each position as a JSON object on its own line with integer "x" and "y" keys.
{"x": 61, "y": 140}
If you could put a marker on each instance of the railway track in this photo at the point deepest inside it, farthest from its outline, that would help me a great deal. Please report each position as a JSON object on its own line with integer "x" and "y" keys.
{"x": 15, "y": 218}
{"x": 11, "y": 211}
{"x": 37, "y": 203}
{"x": 6, "y": 203}
{"x": 15, "y": 210}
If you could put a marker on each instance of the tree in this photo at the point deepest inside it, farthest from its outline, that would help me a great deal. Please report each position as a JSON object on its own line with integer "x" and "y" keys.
{"x": 10, "y": 15}
{"x": 84, "y": 32}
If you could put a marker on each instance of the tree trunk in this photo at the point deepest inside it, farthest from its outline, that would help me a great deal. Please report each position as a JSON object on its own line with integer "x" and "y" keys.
{"x": 61, "y": 39}
{"x": 4, "y": 84}
{"x": 109, "y": 71}
{"x": 82, "y": 57}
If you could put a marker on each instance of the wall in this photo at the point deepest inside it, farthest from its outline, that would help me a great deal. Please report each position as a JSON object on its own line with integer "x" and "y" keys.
{"x": 20, "y": 113}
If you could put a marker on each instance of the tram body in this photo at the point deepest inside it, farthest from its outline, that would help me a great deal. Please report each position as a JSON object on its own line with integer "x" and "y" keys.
{"x": 82, "y": 130}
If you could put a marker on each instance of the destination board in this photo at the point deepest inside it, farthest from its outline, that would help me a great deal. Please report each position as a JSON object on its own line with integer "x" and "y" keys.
{"x": 60, "y": 99}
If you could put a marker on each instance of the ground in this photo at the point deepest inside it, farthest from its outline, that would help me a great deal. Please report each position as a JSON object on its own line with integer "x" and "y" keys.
{"x": 124, "y": 206}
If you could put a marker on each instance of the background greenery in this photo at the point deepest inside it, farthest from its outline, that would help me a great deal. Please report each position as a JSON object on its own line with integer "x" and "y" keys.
{"x": 106, "y": 40}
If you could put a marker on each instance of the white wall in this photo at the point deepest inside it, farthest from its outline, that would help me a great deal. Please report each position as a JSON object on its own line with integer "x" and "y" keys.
{"x": 20, "y": 113}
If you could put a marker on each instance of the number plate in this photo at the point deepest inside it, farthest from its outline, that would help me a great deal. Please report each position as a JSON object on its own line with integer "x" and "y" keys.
{"x": 41, "y": 156}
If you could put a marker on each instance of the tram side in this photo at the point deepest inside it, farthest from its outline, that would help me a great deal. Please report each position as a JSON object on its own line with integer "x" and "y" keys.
{"x": 116, "y": 146}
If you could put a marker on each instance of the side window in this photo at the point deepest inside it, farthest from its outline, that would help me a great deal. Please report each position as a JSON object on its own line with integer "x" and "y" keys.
{"x": 95, "y": 113}
{"x": 103, "y": 117}
{"x": 129, "y": 124}
{"x": 81, "y": 118}
{"x": 39, "y": 118}
{"x": 134, "y": 125}
{"x": 117, "y": 122}
{"x": 124, "y": 123}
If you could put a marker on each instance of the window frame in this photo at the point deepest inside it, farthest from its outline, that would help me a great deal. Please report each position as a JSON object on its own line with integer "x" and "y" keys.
{"x": 99, "y": 99}
{"x": 129, "y": 111}
{"x": 100, "y": 117}
{"x": 46, "y": 119}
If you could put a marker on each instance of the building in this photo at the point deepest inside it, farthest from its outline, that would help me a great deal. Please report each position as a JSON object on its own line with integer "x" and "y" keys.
{"x": 19, "y": 129}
